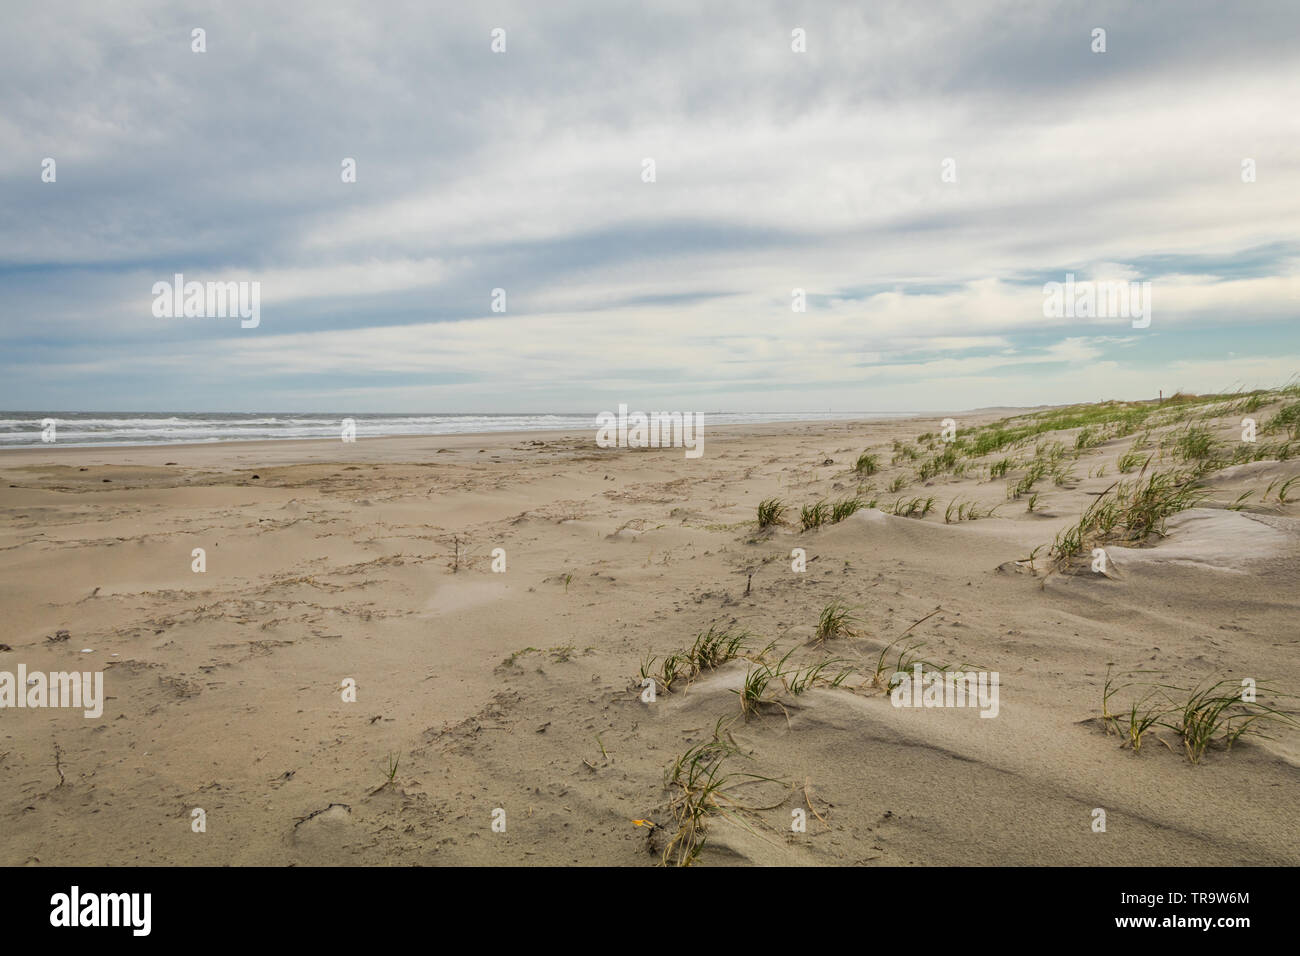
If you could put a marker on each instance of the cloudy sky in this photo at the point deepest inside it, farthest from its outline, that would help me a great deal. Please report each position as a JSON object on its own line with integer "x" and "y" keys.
{"x": 523, "y": 170}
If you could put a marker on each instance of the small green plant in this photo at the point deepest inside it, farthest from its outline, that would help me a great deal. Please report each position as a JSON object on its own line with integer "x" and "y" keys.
{"x": 842, "y": 509}
{"x": 814, "y": 515}
{"x": 1030, "y": 559}
{"x": 393, "y": 761}
{"x": 715, "y": 647}
{"x": 647, "y": 667}
{"x": 675, "y": 666}
{"x": 904, "y": 452}
{"x": 797, "y": 681}
{"x": 1212, "y": 714}
{"x": 698, "y": 788}
{"x": 1036, "y": 471}
{"x": 1133, "y": 459}
{"x": 944, "y": 461}
{"x": 1141, "y": 718}
{"x": 1087, "y": 438}
{"x": 836, "y": 620}
{"x": 712, "y": 649}
{"x": 1286, "y": 420}
{"x": 1130, "y": 511}
{"x": 753, "y": 692}
{"x": 867, "y": 464}
{"x": 770, "y": 512}
{"x": 1063, "y": 475}
{"x": 897, "y": 484}
{"x": 699, "y": 791}
{"x": 908, "y": 657}
{"x": 1196, "y": 446}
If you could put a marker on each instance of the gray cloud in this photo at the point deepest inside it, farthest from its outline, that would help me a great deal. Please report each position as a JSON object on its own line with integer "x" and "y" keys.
{"x": 776, "y": 171}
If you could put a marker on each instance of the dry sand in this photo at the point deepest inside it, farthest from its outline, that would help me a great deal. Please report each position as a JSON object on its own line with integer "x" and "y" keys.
{"x": 520, "y": 690}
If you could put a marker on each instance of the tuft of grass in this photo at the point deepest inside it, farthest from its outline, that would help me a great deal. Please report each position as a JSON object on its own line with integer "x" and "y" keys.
{"x": 712, "y": 649}
{"x": 904, "y": 452}
{"x": 1197, "y": 448}
{"x": 1211, "y": 715}
{"x": 1089, "y": 437}
{"x": 1142, "y": 717}
{"x": 867, "y": 464}
{"x": 842, "y": 509}
{"x": 836, "y": 620}
{"x": 1286, "y": 420}
{"x": 814, "y": 516}
{"x": 908, "y": 657}
{"x": 1037, "y": 470}
{"x": 916, "y": 508}
{"x": 1062, "y": 475}
{"x": 898, "y": 483}
{"x": 753, "y": 692}
{"x": 966, "y": 511}
{"x": 715, "y": 647}
{"x": 770, "y": 512}
{"x": 946, "y": 460}
{"x": 1129, "y": 511}
{"x": 393, "y": 761}
{"x": 675, "y": 667}
{"x": 700, "y": 790}
{"x": 798, "y": 681}
{"x": 1132, "y": 459}
{"x": 999, "y": 468}
{"x": 1029, "y": 560}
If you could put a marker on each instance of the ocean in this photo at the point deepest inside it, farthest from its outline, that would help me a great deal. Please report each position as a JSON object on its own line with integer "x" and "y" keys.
{"x": 24, "y": 429}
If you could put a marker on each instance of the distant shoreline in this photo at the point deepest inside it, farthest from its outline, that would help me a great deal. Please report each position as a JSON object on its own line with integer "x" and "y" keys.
{"x": 327, "y": 427}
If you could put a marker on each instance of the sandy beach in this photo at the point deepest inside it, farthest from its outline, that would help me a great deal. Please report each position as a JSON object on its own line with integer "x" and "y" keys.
{"x": 500, "y": 714}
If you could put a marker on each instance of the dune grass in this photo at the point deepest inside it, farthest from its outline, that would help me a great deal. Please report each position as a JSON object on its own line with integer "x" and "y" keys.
{"x": 1214, "y": 713}
{"x": 1128, "y": 511}
{"x": 712, "y": 649}
{"x": 1133, "y": 459}
{"x": 753, "y": 692}
{"x": 814, "y": 516}
{"x": 770, "y": 512}
{"x": 915, "y": 508}
{"x": 1217, "y": 714}
{"x": 909, "y": 655}
{"x": 867, "y": 464}
{"x": 835, "y": 620}
{"x": 845, "y": 507}
{"x": 700, "y": 790}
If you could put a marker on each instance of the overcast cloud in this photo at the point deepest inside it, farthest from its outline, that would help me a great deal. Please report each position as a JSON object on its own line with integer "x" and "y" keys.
{"x": 522, "y": 170}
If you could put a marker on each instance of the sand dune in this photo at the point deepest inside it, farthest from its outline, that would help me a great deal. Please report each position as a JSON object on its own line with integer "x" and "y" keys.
{"x": 521, "y": 690}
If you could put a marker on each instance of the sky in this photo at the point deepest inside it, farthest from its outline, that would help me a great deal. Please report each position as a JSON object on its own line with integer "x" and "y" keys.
{"x": 919, "y": 170}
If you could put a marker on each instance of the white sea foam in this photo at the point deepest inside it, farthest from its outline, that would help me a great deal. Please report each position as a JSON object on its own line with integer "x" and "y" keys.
{"x": 19, "y": 429}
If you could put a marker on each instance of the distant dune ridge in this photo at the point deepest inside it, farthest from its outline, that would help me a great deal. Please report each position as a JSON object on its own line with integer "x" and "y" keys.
{"x": 561, "y": 653}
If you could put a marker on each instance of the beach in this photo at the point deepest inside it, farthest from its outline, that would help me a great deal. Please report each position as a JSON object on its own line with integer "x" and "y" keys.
{"x": 433, "y": 650}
